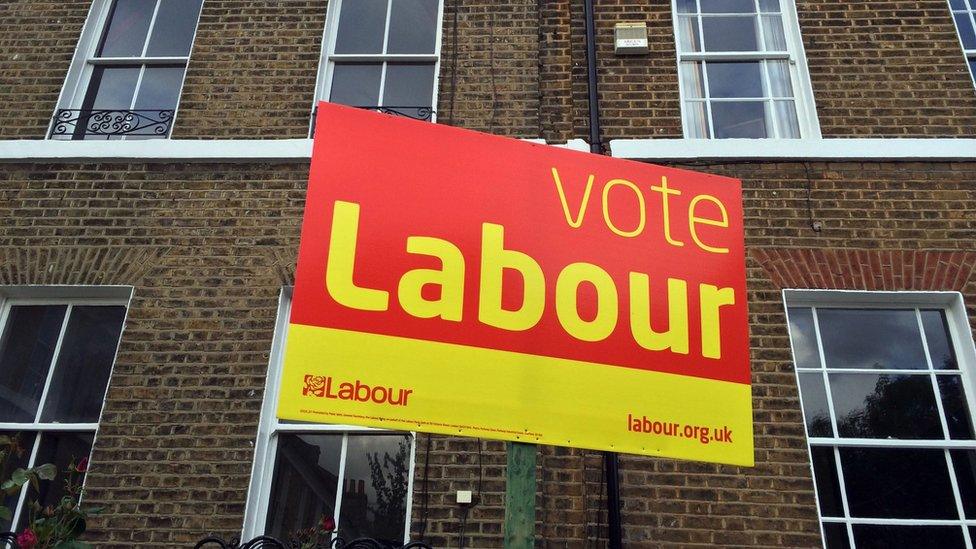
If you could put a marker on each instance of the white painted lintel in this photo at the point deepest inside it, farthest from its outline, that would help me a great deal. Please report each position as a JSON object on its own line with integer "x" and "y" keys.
{"x": 176, "y": 150}
{"x": 845, "y": 149}
{"x": 300, "y": 150}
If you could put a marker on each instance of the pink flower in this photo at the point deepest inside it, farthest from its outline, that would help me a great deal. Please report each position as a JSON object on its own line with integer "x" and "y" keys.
{"x": 27, "y": 539}
{"x": 328, "y": 524}
{"x": 82, "y": 465}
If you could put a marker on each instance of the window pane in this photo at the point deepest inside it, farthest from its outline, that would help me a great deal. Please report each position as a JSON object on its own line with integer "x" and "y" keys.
{"x": 18, "y": 458}
{"x": 898, "y": 483}
{"x": 956, "y": 409}
{"x": 871, "y": 338}
{"x": 413, "y": 26}
{"x": 61, "y": 449}
{"x": 687, "y": 6}
{"x": 964, "y": 463}
{"x": 306, "y": 477}
{"x": 873, "y": 536}
{"x": 692, "y": 82}
{"x": 957, "y": 4}
{"x": 815, "y": 408}
{"x": 696, "y": 120}
{"x": 734, "y": 79}
{"x": 83, "y": 366}
{"x": 356, "y": 85}
{"x": 727, "y": 6}
{"x": 688, "y": 38}
{"x": 160, "y": 88}
{"x": 804, "y": 338}
{"x": 836, "y": 536}
{"x": 965, "y": 26}
{"x": 739, "y": 119}
{"x": 374, "y": 496}
{"x": 125, "y": 35}
{"x": 409, "y": 85}
{"x": 768, "y": 5}
{"x": 774, "y": 38}
{"x": 789, "y": 125}
{"x": 172, "y": 33}
{"x": 885, "y": 406}
{"x": 26, "y": 350}
{"x": 111, "y": 87}
{"x": 361, "y": 27}
{"x": 937, "y": 337}
{"x": 730, "y": 33}
{"x": 825, "y": 473}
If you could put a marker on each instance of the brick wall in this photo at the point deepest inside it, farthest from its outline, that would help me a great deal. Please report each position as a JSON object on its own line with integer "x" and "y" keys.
{"x": 252, "y": 71}
{"x": 887, "y": 68}
{"x": 37, "y": 41}
{"x": 491, "y": 74}
{"x": 208, "y": 247}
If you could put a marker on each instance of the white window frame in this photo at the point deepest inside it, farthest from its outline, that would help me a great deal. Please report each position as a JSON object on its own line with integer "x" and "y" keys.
{"x": 806, "y": 109}
{"x": 70, "y": 296}
{"x": 265, "y": 448}
{"x": 328, "y": 57}
{"x": 84, "y": 61}
{"x": 961, "y": 338}
{"x": 968, "y": 55}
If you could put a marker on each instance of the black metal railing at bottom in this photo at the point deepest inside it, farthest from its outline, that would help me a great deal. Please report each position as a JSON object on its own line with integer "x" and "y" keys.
{"x": 107, "y": 123}
{"x": 417, "y": 113}
{"x": 268, "y": 542}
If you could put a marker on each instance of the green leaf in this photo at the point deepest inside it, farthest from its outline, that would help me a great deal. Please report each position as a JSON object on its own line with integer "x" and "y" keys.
{"x": 5, "y": 513}
{"x": 47, "y": 471}
{"x": 19, "y": 476}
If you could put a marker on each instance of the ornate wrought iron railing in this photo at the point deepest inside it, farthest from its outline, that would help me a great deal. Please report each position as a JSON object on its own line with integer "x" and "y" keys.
{"x": 268, "y": 542}
{"x": 417, "y": 113}
{"x": 95, "y": 123}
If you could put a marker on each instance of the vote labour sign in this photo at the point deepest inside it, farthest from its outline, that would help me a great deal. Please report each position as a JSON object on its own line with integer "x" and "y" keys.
{"x": 455, "y": 282}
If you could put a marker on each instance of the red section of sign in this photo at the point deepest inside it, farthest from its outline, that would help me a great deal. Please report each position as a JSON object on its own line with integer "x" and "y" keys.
{"x": 413, "y": 178}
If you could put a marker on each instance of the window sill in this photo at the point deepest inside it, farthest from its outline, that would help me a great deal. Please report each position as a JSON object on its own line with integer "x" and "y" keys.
{"x": 669, "y": 150}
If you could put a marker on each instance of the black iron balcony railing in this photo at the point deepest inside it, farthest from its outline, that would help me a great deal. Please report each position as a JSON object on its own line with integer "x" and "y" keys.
{"x": 108, "y": 123}
{"x": 417, "y": 113}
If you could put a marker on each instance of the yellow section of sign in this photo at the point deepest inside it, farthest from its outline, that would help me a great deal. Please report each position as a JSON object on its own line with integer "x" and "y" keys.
{"x": 339, "y": 376}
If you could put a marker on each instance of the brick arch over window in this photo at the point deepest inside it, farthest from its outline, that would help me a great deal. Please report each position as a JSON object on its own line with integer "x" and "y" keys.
{"x": 848, "y": 269}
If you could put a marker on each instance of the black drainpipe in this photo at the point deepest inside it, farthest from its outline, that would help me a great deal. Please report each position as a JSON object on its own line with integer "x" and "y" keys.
{"x": 610, "y": 461}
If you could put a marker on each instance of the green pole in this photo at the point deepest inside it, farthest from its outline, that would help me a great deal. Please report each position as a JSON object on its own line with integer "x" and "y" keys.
{"x": 520, "y": 496}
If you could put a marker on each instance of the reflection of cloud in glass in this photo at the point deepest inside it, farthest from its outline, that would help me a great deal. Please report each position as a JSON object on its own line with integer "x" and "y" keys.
{"x": 871, "y": 338}
{"x": 804, "y": 339}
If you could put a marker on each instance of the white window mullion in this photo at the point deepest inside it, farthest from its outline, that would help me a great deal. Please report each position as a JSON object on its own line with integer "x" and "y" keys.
{"x": 53, "y": 364}
{"x": 19, "y": 509}
{"x": 842, "y": 485}
{"x": 932, "y": 377}
{"x": 149, "y": 31}
{"x": 386, "y": 48}
{"x": 341, "y": 483}
{"x": 826, "y": 378}
{"x": 379, "y": 97}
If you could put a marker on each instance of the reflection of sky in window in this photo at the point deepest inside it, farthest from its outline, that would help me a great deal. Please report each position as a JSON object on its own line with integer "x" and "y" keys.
{"x": 871, "y": 338}
{"x": 804, "y": 338}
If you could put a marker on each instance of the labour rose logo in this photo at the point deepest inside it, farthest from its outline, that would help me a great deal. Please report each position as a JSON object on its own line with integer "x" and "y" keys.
{"x": 314, "y": 385}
